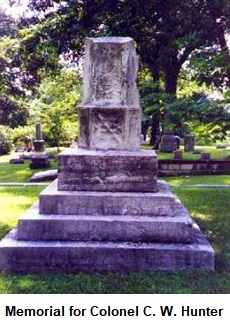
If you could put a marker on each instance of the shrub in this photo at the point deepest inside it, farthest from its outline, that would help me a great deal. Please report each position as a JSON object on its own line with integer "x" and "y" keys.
{"x": 5, "y": 145}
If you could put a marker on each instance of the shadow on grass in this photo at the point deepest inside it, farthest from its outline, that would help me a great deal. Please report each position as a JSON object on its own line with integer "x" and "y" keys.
{"x": 210, "y": 209}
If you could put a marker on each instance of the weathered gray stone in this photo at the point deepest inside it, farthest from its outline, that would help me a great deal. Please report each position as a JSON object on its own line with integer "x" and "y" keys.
{"x": 38, "y": 131}
{"x": 39, "y": 160}
{"x": 162, "y": 203}
{"x": 46, "y": 175}
{"x": 39, "y": 143}
{"x": 168, "y": 142}
{"x": 90, "y": 170}
{"x": 189, "y": 142}
{"x": 109, "y": 128}
{"x": 222, "y": 146}
{"x": 71, "y": 257}
{"x": 16, "y": 161}
{"x": 110, "y": 70}
{"x": 110, "y": 116}
{"x": 35, "y": 226}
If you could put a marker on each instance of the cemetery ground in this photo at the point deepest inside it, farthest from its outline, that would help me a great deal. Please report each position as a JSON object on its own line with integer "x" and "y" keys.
{"x": 209, "y": 208}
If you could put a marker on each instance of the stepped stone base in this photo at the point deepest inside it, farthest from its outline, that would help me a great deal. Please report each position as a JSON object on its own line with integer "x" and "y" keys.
{"x": 146, "y": 231}
{"x": 161, "y": 203}
{"x": 34, "y": 226}
{"x": 72, "y": 257}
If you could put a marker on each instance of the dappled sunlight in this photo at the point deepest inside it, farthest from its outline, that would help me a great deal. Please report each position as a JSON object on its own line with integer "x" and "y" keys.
{"x": 12, "y": 284}
{"x": 202, "y": 217}
{"x": 15, "y": 201}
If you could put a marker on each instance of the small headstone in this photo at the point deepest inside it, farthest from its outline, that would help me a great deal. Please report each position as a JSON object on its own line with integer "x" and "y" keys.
{"x": 222, "y": 146}
{"x": 44, "y": 176}
{"x": 168, "y": 142}
{"x": 39, "y": 143}
{"x": 178, "y": 155}
{"x": 25, "y": 156}
{"x": 189, "y": 143}
{"x": 16, "y": 161}
{"x": 205, "y": 156}
{"x": 39, "y": 159}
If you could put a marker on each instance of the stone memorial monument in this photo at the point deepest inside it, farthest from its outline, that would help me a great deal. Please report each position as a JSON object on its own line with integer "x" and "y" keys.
{"x": 107, "y": 211}
{"x": 39, "y": 158}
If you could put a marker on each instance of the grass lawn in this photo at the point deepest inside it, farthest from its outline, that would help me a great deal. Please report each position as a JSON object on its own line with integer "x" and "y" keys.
{"x": 215, "y": 153}
{"x": 19, "y": 172}
{"x": 209, "y": 207}
{"x": 204, "y": 179}
{"x": 13, "y": 202}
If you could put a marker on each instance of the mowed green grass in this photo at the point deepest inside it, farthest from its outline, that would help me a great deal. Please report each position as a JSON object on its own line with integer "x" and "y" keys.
{"x": 209, "y": 207}
{"x": 201, "y": 180}
{"x": 13, "y": 202}
{"x": 17, "y": 173}
{"x": 214, "y": 152}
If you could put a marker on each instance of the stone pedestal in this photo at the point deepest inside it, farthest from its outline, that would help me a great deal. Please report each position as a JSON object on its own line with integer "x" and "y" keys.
{"x": 110, "y": 128}
{"x": 114, "y": 171}
{"x": 107, "y": 211}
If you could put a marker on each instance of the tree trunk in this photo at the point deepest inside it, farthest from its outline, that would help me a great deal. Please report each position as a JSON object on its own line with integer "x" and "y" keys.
{"x": 155, "y": 133}
{"x": 224, "y": 50}
{"x": 154, "y": 123}
{"x": 217, "y": 12}
{"x": 171, "y": 78}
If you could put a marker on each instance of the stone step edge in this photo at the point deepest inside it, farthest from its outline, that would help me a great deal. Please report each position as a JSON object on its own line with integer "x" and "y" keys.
{"x": 35, "y": 226}
{"x": 73, "y": 257}
{"x": 33, "y": 214}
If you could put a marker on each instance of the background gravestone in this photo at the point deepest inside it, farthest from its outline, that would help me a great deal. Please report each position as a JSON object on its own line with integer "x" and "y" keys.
{"x": 168, "y": 142}
{"x": 189, "y": 143}
{"x": 39, "y": 159}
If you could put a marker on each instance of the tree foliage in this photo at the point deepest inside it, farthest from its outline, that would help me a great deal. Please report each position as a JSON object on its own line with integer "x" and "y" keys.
{"x": 13, "y": 110}
{"x": 166, "y": 32}
{"x": 208, "y": 119}
{"x": 55, "y": 106}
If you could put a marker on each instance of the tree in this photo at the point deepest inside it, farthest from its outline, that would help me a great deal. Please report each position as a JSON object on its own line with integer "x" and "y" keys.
{"x": 166, "y": 32}
{"x": 55, "y": 106}
{"x": 13, "y": 110}
{"x": 208, "y": 119}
